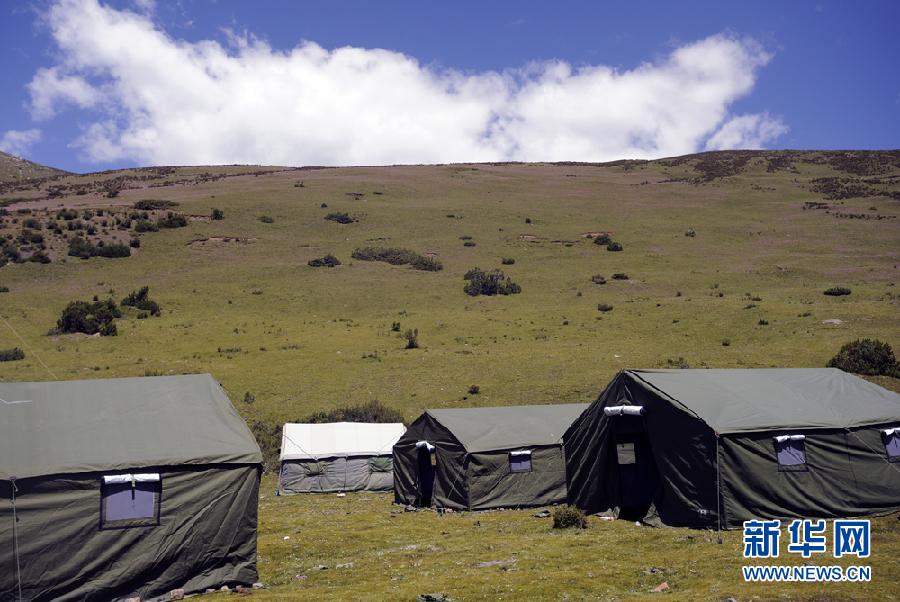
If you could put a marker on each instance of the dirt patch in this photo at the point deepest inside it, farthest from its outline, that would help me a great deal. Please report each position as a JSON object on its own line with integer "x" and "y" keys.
{"x": 597, "y": 233}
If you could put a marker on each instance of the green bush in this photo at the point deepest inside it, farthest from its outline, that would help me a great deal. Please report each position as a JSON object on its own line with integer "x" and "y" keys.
{"x": 4, "y": 289}
{"x": 39, "y": 257}
{"x": 690, "y": 233}
{"x": 614, "y": 246}
{"x": 604, "y": 307}
{"x": 412, "y": 338}
{"x": 113, "y": 250}
{"x": 837, "y": 291}
{"x": 153, "y": 204}
{"x": 266, "y": 219}
{"x": 145, "y": 225}
{"x": 329, "y": 261}
{"x": 866, "y": 356}
{"x": 469, "y": 243}
{"x": 494, "y": 282}
{"x": 371, "y": 411}
{"x": 340, "y": 217}
{"x": 397, "y": 256}
{"x": 508, "y": 261}
{"x": 217, "y": 214}
{"x": 135, "y": 243}
{"x": 11, "y": 355}
{"x": 172, "y": 220}
{"x": 80, "y": 247}
{"x": 66, "y": 214}
{"x": 602, "y": 239}
{"x": 89, "y": 317}
{"x": 569, "y": 517}
{"x": 598, "y": 279}
{"x": 140, "y": 299}
{"x": 32, "y": 223}
{"x": 268, "y": 436}
{"x": 620, "y": 276}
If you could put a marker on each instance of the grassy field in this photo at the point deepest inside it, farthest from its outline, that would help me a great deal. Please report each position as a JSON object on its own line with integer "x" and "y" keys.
{"x": 240, "y": 302}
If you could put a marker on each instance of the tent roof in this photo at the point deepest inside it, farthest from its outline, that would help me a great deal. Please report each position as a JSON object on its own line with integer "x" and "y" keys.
{"x": 746, "y": 400}
{"x": 118, "y": 424}
{"x": 506, "y": 427}
{"x": 338, "y": 439}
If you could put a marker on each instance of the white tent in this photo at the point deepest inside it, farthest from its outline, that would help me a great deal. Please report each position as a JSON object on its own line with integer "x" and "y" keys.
{"x": 337, "y": 456}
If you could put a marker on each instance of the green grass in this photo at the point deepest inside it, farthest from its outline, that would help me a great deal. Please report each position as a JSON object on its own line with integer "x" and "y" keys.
{"x": 302, "y": 339}
{"x": 397, "y": 555}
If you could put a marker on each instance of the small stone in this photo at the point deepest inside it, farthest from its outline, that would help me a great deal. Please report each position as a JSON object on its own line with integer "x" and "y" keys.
{"x": 433, "y": 598}
{"x": 176, "y": 594}
{"x": 320, "y": 567}
{"x": 341, "y": 495}
{"x": 132, "y": 600}
{"x": 299, "y": 577}
{"x": 542, "y": 514}
{"x": 501, "y": 563}
{"x": 410, "y": 509}
{"x": 661, "y": 587}
{"x": 287, "y": 537}
{"x": 224, "y": 588}
{"x": 346, "y": 565}
{"x": 258, "y": 585}
{"x": 209, "y": 590}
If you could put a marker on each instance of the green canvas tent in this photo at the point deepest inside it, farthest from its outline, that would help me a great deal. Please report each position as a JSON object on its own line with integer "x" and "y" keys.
{"x": 712, "y": 448}
{"x": 480, "y": 458}
{"x": 124, "y": 487}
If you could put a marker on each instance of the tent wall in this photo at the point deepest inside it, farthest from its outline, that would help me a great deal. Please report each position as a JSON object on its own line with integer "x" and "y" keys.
{"x": 356, "y": 473}
{"x": 847, "y": 475}
{"x": 491, "y": 484}
{"x": 206, "y": 536}
{"x": 450, "y": 487}
{"x": 683, "y": 450}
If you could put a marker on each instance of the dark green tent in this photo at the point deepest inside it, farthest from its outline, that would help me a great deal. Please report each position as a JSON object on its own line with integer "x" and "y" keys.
{"x": 480, "y": 458}
{"x": 124, "y": 487}
{"x": 712, "y": 448}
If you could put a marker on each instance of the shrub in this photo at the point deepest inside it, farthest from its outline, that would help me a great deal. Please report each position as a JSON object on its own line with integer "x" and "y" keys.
{"x": 494, "y": 282}
{"x": 217, "y": 214}
{"x": 66, "y": 214}
{"x": 474, "y": 390}
{"x": 398, "y": 256}
{"x": 32, "y": 223}
{"x": 602, "y": 239}
{"x": 249, "y": 398}
{"x": 135, "y": 243}
{"x": 4, "y": 289}
{"x": 28, "y": 237}
{"x": 80, "y": 247}
{"x": 395, "y": 327}
{"x": 598, "y": 279}
{"x": 140, "y": 299}
{"x": 614, "y": 246}
{"x": 527, "y": 220}
{"x": 340, "y": 217}
{"x": 469, "y": 243}
{"x": 371, "y": 411}
{"x": 690, "y": 233}
{"x": 172, "y": 220}
{"x": 39, "y": 257}
{"x": 144, "y": 225}
{"x": 866, "y": 356}
{"x": 113, "y": 250}
{"x": 268, "y": 436}
{"x": 11, "y": 355}
{"x": 604, "y": 307}
{"x": 153, "y": 204}
{"x": 328, "y": 261}
{"x": 412, "y": 338}
{"x": 763, "y": 322}
{"x": 620, "y": 276}
{"x": 508, "y": 261}
{"x": 266, "y": 219}
{"x": 89, "y": 317}
{"x": 837, "y": 291}
{"x": 569, "y": 517}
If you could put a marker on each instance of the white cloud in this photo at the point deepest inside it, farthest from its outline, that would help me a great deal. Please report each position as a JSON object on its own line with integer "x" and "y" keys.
{"x": 748, "y": 132}
{"x": 167, "y": 101}
{"x": 19, "y": 142}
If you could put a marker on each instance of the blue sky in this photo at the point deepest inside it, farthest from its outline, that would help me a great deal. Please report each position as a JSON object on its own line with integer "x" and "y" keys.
{"x": 463, "y": 80}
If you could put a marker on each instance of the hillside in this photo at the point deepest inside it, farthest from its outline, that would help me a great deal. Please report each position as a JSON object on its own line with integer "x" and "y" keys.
{"x": 14, "y": 168}
{"x": 725, "y": 258}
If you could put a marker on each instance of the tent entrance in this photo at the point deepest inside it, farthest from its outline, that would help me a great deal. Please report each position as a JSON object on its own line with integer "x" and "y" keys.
{"x": 638, "y": 475}
{"x": 425, "y": 474}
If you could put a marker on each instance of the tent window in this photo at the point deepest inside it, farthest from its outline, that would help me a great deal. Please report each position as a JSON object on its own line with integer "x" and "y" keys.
{"x": 791, "y": 452}
{"x": 520, "y": 461}
{"x": 130, "y": 500}
{"x": 892, "y": 443}
{"x": 380, "y": 464}
{"x": 314, "y": 469}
